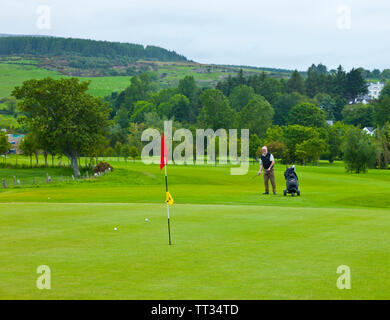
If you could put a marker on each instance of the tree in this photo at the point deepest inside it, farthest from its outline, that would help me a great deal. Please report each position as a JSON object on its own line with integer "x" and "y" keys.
{"x": 125, "y": 152}
{"x": 310, "y": 150}
{"x": 118, "y": 149}
{"x": 254, "y": 144}
{"x": 382, "y": 138}
{"x": 361, "y": 115}
{"x": 295, "y": 83}
{"x": 339, "y": 83}
{"x": 122, "y": 117}
{"x": 4, "y": 144}
{"x": 133, "y": 153}
{"x": 216, "y": 112}
{"x": 188, "y": 88}
{"x": 308, "y": 115}
{"x": 382, "y": 110}
{"x": 29, "y": 146}
{"x": 279, "y": 150}
{"x": 316, "y": 81}
{"x": 266, "y": 86}
{"x": 140, "y": 109}
{"x": 257, "y": 116}
{"x": 177, "y": 106}
{"x": 240, "y": 96}
{"x": 295, "y": 135}
{"x": 328, "y": 105}
{"x": 334, "y": 143}
{"x": 359, "y": 151}
{"x": 283, "y": 105}
{"x": 139, "y": 89}
{"x": 73, "y": 120}
{"x": 355, "y": 85}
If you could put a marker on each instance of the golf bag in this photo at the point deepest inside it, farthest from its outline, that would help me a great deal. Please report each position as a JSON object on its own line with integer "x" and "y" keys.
{"x": 292, "y": 183}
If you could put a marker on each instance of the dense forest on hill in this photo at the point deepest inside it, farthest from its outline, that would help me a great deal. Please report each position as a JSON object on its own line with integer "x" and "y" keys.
{"x": 86, "y": 48}
{"x": 87, "y": 58}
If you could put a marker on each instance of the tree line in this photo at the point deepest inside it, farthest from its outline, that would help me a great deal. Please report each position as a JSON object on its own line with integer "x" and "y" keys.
{"x": 64, "y": 119}
{"x": 53, "y": 46}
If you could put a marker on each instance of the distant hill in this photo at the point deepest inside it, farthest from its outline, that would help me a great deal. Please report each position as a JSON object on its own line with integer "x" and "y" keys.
{"x": 52, "y": 46}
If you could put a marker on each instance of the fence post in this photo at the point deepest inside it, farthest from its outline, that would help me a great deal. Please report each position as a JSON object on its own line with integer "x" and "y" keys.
{"x": 14, "y": 180}
{"x": 4, "y": 183}
{"x": 34, "y": 182}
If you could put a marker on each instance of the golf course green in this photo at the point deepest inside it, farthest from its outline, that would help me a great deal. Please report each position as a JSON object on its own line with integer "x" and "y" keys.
{"x": 229, "y": 241}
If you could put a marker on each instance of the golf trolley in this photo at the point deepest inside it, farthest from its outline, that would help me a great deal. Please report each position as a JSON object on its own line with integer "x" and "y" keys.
{"x": 292, "y": 183}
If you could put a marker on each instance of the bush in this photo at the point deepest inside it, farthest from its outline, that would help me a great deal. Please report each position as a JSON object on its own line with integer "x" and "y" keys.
{"x": 102, "y": 167}
{"x": 359, "y": 151}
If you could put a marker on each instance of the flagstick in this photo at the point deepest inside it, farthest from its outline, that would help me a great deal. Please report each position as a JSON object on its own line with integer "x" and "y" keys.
{"x": 166, "y": 188}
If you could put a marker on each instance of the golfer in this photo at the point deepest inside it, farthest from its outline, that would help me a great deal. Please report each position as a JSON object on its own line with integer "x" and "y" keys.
{"x": 267, "y": 162}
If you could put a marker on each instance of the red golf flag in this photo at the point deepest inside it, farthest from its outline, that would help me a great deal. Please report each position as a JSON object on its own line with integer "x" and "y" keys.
{"x": 164, "y": 153}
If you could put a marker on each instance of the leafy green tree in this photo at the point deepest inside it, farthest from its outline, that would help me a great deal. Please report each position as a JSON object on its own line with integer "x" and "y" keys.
{"x": 257, "y": 116}
{"x": 310, "y": 150}
{"x": 267, "y": 86}
{"x": 316, "y": 81}
{"x": 135, "y": 134}
{"x": 4, "y": 144}
{"x": 133, "y": 153}
{"x": 122, "y": 117}
{"x": 188, "y": 88}
{"x": 73, "y": 120}
{"x": 382, "y": 110}
{"x": 140, "y": 109}
{"x": 328, "y": 105}
{"x": 355, "y": 85}
{"x": 254, "y": 144}
{"x": 335, "y": 140}
{"x": 118, "y": 149}
{"x": 274, "y": 133}
{"x": 139, "y": 89}
{"x": 178, "y": 106}
{"x": 308, "y": 115}
{"x": 216, "y": 112}
{"x": 361, "y": 115}
{"x": 29, "y": 146}
{"x": 125, "y": 152}
{"x": 240, "y": 96}
{"x": 359, "y": 151}
{"x": 296, "y": 83}
{"x": 162, "y": 96}
{"x": 382, "y": 138}
{"x": 295, "y": 135}
{"x": 109, "y": 152}
{"x": 283, "y": 105}
{"x": 279, "y": 150}
{"x": 339, "y": 83}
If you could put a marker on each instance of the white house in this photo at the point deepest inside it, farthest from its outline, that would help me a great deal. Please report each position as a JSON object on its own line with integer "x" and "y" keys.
{"x": 369, "y": 130}
{"x": 374, "y": 89}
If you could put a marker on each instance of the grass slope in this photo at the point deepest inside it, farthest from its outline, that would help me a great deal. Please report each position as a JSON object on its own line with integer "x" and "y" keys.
{"x": 229, "y": 241}
{"x": 13, "y": 74}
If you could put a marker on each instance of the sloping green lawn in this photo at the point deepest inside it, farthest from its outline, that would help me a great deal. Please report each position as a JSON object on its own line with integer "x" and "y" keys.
{"x": 229, "y": 242}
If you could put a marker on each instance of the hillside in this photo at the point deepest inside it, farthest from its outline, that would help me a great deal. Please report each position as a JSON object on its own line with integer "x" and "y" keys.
{"x": 109, "y": 65}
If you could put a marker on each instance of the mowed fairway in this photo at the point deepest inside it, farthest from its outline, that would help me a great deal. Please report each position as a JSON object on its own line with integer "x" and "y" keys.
{"x": 229, "y": 241}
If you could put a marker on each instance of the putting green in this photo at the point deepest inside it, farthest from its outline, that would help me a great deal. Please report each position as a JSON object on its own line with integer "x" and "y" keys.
{"x": 229, "y": 242}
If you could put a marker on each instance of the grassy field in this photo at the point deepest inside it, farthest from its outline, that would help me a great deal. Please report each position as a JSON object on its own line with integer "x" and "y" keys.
{"x": 230, "y": 242}
{"x": 13, "y": 74}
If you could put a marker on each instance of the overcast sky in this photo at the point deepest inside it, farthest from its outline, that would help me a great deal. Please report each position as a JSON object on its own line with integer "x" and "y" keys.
{"x": 274, "y": 33}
